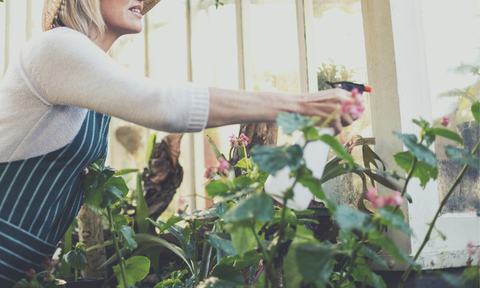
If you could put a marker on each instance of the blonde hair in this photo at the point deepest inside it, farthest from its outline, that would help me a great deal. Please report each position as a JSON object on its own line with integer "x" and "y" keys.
{"x": 84, "y": 16}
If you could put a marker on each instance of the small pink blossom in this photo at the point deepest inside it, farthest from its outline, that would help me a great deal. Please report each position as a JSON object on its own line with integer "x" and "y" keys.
{"x": 471, "y": 249}
{"x": 224, "y": 165}
{"x": 85, "y": 170}
{"x": 30, "y": 273}
{"x": 354, "y": 107}
{"x": 395, "y": 199}
{"x": 221, "y": 168}
{"x": 182, "y": 203}
{"x": 241, "y": 141}
{"x": 445, "y": 121}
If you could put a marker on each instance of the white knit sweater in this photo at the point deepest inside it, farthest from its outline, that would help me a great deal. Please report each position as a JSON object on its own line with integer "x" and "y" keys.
{"x": 45, "y": 95}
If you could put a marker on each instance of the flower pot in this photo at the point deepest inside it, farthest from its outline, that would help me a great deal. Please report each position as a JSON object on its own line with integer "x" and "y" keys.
{"x": 82, "y": 283}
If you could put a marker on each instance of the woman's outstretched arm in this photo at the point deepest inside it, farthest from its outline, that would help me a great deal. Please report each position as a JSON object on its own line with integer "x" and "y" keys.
{"x": 234, "y": 107}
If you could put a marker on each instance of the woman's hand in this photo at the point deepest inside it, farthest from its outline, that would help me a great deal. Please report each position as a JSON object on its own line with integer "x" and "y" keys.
{"x": 324, "y": 103}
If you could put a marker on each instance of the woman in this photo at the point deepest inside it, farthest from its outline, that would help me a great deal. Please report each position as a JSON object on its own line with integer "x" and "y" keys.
{"x": 53, "y": 119}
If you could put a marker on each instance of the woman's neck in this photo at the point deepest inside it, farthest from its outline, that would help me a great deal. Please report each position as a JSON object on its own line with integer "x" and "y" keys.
{"x": 104, "y": 41}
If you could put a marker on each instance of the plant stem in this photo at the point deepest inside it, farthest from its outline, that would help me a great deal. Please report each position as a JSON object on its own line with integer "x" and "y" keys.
{"x": 404, "y": 277}
{"x": 67, "y": 247}
{"x": 350, "y": 261}
{"x": 195, "y": 252}
{"x": 330, "y": 117}
{"x": 117, "y": 250}
{"x": 246, "y": 156}
{"x": 259, "y": 243}
{"x": 76, "y": 274}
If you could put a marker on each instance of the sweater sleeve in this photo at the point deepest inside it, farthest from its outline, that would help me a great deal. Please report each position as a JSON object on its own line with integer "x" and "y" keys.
{"x": 64, "y": 67}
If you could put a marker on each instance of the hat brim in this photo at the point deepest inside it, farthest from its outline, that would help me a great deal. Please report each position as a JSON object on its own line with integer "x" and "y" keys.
{"x": 50, "y": 9}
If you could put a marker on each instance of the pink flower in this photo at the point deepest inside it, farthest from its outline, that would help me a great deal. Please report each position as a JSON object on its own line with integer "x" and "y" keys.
{"x": 241, "y": 141}
{"x": 221, "y": 168}
{"x": 244, "y": 139}
{"x": 182, "y": 203}
{"x": 30, "y": 273}
{"x": 224, "y": 165}
{"x": 209, "y": 172}
{"x": 471, "y": 249}
{"x": 445, "y": 121}
{"x": 395, "y": 199}
{"x": 354, "y": 107}
{"x": 85, "y": 171}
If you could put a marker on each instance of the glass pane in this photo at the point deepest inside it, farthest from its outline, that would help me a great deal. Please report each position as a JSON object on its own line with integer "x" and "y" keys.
{"x": 274, "y": 45}
{"x": 340, "y": 56}
{"x": 452, "y": 46}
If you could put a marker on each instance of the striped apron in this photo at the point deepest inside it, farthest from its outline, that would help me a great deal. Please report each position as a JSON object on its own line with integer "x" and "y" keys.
{"x": 41, "y": 196}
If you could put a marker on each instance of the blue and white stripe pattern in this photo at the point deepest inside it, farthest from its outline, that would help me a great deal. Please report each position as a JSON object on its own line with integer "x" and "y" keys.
{"x": 41, "y": 196}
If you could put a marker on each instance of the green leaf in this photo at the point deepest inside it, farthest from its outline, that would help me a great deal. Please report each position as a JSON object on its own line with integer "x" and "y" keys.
{"x": 142, "y": 207}
{"x": 349, "y": 219}
{"x": 243, "y": 164}
{"x": 152, "y": 141}
{"x": 76, "y": 259}
{"x": 125, "y": 172}
{"x": 216, "y": 188}
{"x": 462, "y": 156}
{"x": 220, "y": 241}
{"x": 243, "y": 181}
{"x": 215, "y": 211}
{"x": 449, "y": 134}
{"x": 420, "y": 151}
{"x": 128, "y": 237}
{"x": 227, "y": 272}
{"x": 392, "y": 220}
{"x": 164, "y": 226}
{"x": 257, "y": 206}
{"x": 273, "y": 159}
{"x": 215, "y": 149}
{"x": 476, "y": 111}
{"x": 308, "y": 263}
{"x": 291, "y": 122}
{"x": 423, "y": 171}
{"x": 96, "y": 179}
{"x": 242, "y": 236}
{"x": 136, "y": 268}
{"x": 337, "y": 148}
{"x": 110, "y": 196}
{"x": 119, "y": 183}
{"x": 367, "y": 252}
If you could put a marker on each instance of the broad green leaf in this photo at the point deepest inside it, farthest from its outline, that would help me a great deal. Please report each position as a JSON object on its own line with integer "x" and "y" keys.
{"x": 93, "y": 198}
{"x": 227, "y": 272}
{"x": 110, "y": 196}
{"x": 152, "y": 141}
{"x": 216, "y": 188}
{"x": 242, "y": 236}
{"x": 462, "y": 156}
{"x": 291, "y": 122}
{"x": 128, "y": 237}
{"x": 367, "y": 252}
{"x": 273, "y": 159}
{"x": 96, "y": 179}
{"x": 170, "y": 222}
{"x": 215, "y": 211}
{"x": 257, "y": 206}
{"x": 219, "y": 241}
{"x": 420, "y": 151}
{"x": 119, "y": 183}
{"x": 337, "y": 148}
{"x": 476, "y": 111}
{"x": 216, "y": 152}
{"x": 142, "y": 207}
{"x": 243, "y": 164}
{"x": 242, "y": 181}
{"x": 136, "y": 268}
{"x": 184, "y": 236}
{"x": 76, "y": 259}
{"x": 423, "y": 171}
{"x": 308, "y": 263}
{"x": 125, "y": 172}
{"x": 250, "y": 258}
{"x": 392, "y": 220}
{"x": 449, "y": 134}
{"x": 349, "y": 219}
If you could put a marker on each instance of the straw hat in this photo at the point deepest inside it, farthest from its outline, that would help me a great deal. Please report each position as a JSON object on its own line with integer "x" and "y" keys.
{"x": 51, "y": 7}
